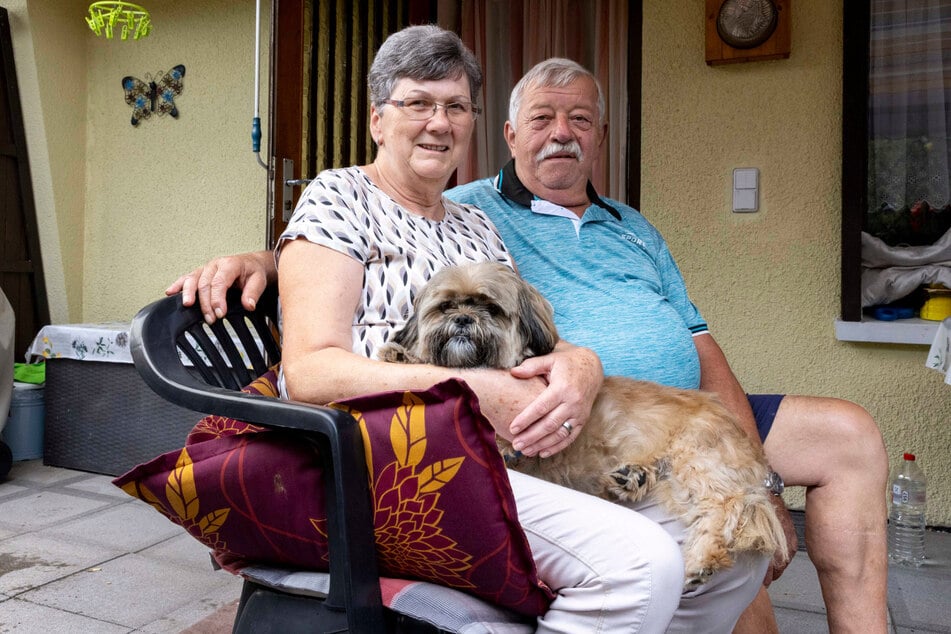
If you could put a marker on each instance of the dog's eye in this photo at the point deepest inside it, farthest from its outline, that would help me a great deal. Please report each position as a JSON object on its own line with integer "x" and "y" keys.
{"x": 493, "y": 309}
{"x": 445, "y": 306}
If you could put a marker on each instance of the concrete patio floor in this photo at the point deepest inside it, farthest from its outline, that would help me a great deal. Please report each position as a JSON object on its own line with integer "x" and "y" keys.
{"x": 79, "y": 555}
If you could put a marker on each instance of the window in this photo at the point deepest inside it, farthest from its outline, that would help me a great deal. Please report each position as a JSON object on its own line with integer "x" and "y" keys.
{"x": 895, "y": 171}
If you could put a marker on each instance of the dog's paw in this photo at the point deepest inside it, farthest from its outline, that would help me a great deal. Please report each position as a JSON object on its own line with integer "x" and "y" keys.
{"x": 628, "y": 483}
{"x": 702, "y": 563}
{"x": 395, "y": 353}
{"x": 629, "y": 477}
{"x": 696, "y": 578}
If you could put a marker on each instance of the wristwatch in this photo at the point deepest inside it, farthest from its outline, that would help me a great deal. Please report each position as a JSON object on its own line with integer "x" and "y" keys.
{"x": 774, "y": 482}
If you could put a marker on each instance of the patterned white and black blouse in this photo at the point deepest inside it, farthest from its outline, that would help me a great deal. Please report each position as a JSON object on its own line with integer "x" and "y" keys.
{"x": 343, "y": 210}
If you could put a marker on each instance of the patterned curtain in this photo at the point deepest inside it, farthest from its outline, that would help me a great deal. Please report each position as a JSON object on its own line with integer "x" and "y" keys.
{"x": 909, "y": 194}
{"x": 344, "y": 38}
{"x": 508, "y": 37}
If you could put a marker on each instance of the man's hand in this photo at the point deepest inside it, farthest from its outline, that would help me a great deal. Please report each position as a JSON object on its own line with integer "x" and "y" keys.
{"x": 251, "y": 272}
{"x": 574, "y": 376}
{"x": 780, "y": 560}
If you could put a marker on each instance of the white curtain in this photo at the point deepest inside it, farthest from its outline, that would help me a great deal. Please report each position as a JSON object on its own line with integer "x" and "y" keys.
{"x": 910, "y": 104}
{"x": 509, "y": 37}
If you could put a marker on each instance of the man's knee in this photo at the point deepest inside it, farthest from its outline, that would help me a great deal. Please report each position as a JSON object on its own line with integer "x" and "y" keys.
{"x": 859, "y": 437}
{"x": 830, "y": 425}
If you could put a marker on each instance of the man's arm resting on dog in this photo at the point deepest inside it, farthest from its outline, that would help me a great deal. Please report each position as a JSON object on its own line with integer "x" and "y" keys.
{"x": 716, "y": 376}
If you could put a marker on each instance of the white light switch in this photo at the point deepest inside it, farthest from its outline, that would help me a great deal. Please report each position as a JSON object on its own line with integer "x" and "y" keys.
{"x": 745, "y": 189}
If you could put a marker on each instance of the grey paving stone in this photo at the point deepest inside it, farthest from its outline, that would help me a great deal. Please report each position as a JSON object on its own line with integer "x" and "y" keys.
{"x": 29, "y": 561}
{"x": 190, "y": 614}
{"x": 801, "y": 622}
{"x": 132, "y": 590}
{"x": 43, "y": 509}
{"x": 101, "y": 485}
{"x": 798, "y": 588}
{"x": 36, "y": 472}
{"x": 23, "y": 617}
{"x": 126, "y": 527}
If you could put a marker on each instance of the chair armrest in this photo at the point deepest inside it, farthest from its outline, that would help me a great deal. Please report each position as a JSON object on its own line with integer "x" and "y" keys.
{"x": 354, "y": 580}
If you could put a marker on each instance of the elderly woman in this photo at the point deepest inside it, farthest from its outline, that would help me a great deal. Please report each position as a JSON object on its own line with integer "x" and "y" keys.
{"x": 364, "y": 239}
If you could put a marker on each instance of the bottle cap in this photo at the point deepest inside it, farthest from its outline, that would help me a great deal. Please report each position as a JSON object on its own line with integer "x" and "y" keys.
{"x": 909, "y": 456}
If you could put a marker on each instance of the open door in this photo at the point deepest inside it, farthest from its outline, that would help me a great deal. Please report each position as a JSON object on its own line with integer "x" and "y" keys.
{"x": 21, "y": 269}
{"x": 321, "y": 52}
{"x": 286, "y": 108}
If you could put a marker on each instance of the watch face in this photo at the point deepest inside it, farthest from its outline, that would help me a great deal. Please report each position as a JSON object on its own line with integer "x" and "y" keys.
{"x": 774, "y": 483}
{"x": 746, "y": 23}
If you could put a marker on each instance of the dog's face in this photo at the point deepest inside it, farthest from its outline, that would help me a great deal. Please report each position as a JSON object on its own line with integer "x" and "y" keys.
{"x": 478, "y": 315}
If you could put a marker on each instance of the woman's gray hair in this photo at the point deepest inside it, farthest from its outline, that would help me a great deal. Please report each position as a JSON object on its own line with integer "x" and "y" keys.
{"x": 422, "y": 53}
{"x": 555, "y": 72}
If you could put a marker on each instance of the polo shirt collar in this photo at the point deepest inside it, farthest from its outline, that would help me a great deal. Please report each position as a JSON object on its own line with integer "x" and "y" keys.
{"x": 508, "y": 184}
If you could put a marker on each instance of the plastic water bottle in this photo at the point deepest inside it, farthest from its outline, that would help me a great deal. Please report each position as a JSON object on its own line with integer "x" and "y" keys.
{"x": 906, "y": 516}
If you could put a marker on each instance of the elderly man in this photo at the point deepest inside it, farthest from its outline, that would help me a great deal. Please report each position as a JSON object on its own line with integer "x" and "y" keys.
{"x": 617, "y": 290}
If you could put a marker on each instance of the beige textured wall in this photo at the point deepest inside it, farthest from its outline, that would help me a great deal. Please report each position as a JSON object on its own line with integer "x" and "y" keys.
{"x": 768, "y": 282}
{"x": 124, "y": 210}
{"x": 167, "y": 195}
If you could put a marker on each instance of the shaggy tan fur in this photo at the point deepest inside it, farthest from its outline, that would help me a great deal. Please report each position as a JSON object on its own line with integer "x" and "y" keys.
{"x": 683, "y": 446}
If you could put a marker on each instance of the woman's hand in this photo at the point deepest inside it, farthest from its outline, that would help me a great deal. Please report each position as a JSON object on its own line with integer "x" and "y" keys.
{"x": 573, "y": 377}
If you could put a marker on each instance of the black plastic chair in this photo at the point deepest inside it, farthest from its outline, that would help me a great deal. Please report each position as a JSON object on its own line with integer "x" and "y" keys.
{"x": 212, "y": 384}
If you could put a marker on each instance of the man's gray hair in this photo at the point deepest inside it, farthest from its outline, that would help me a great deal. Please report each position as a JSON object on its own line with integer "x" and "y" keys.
{"x": 554, "y": 72}
{"x": 422, "y": 53}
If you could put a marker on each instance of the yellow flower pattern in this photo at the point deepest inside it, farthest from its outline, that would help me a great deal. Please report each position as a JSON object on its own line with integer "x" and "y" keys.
{"x": 182, "y": 497}
{"x": 406, "y": 495}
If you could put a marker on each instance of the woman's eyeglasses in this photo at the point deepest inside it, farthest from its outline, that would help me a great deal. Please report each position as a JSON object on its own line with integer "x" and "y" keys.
{"x": 422, "y": 109}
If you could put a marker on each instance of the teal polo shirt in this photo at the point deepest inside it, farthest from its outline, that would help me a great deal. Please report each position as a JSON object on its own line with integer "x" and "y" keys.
{"x": 609, "y": 275}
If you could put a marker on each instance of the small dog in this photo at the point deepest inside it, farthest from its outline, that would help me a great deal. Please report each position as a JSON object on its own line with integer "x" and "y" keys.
{"x": 682, "y": 445}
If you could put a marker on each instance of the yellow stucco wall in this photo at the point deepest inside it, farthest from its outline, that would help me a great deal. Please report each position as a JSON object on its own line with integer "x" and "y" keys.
{"x": 166, "y": 195}
{"x": 129, "y": 208}
{"x": 124, "y": 210}
{"x": 768, "y": 282}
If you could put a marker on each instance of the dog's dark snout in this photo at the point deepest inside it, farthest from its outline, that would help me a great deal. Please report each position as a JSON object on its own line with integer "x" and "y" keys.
{"x": 462, "y": 320}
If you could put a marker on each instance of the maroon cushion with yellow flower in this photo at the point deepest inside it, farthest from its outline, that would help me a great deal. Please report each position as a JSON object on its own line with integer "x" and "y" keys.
{"x": 444, "y": 509}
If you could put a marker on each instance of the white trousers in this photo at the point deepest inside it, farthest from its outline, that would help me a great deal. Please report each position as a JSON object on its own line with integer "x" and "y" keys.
{"x": 619, "y": 569}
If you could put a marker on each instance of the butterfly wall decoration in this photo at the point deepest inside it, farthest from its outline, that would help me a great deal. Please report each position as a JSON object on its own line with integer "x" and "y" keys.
{"x": 155, "y": 94}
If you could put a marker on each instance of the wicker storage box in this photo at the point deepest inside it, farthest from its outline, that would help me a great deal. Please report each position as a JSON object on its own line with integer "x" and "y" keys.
{"x": 102, "y": 417}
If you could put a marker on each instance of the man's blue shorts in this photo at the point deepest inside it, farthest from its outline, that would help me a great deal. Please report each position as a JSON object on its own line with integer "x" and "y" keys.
{"x": 764, "y": 410}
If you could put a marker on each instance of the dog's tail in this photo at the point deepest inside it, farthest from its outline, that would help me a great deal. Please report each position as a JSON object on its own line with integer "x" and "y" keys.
{"x": 758, "y": 529}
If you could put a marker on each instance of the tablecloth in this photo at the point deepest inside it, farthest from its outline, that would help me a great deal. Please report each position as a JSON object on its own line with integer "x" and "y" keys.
{"x": 84, "y": 342}
{"x": 107, "y": 342}
{"x": 939, "y": 356}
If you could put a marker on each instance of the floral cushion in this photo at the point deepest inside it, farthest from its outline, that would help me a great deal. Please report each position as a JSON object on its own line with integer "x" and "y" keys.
{"x": 444, "y": 509}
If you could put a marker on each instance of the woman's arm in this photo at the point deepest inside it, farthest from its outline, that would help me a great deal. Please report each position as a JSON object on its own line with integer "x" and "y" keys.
{"x": 320, "y": 290}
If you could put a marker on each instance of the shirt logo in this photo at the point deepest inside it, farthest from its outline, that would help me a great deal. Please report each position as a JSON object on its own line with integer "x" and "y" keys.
{"x": 630, "y": 237}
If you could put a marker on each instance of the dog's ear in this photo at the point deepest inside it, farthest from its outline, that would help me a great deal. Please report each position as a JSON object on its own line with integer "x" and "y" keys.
{"x": 536, "y": 321}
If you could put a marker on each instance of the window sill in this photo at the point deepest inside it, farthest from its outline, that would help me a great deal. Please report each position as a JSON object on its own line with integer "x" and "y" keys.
{"x": 911, "y": 331}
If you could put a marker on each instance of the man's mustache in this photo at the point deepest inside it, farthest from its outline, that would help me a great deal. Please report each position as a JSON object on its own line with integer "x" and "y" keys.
{"x": 553, "y": 148}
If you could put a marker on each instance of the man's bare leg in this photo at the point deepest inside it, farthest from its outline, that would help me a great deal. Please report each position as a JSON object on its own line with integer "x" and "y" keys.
{"x": 834, "y": 449}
